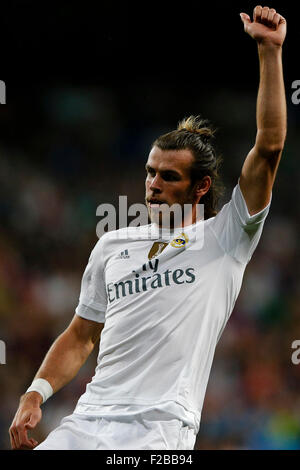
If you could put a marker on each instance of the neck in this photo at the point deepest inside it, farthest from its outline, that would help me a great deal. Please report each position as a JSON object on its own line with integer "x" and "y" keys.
{"x": 189, "y": 217}
{"x": 193, "y": 216}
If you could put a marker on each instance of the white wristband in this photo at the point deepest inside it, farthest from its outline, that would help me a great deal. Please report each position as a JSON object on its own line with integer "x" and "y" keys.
{"x": 41, "y": 386}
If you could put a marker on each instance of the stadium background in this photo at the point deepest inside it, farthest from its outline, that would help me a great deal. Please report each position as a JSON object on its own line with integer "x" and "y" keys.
{"x": 88, "y": 89}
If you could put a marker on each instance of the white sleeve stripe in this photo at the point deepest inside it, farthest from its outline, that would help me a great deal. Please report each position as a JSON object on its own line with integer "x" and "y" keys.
{"x": 242, "y": 209}
{"x": 90, "y": 313}
{"x": 92, "y": 304}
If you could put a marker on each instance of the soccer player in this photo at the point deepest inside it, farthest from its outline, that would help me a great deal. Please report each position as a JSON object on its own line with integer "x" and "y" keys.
{"x": 161, "y": 305}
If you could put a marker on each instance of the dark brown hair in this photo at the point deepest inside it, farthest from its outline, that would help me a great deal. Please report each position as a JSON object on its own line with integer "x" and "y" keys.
{"x": 195, "y": 134}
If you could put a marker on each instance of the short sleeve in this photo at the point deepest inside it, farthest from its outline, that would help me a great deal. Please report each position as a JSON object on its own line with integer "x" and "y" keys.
{"x": 92, "y": 300}
{"x": 237, "y": 231}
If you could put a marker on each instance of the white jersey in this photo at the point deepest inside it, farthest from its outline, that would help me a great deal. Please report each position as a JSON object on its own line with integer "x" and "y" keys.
{"x": 164, "y": 316}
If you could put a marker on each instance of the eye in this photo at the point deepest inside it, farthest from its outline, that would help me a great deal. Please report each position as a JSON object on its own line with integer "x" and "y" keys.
{"x": 150, "y": 171}
{"x": 170, "y": 177}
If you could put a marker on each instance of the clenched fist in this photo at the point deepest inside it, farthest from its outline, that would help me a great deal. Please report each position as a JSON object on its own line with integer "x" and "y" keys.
{"x": 267, "y": 26}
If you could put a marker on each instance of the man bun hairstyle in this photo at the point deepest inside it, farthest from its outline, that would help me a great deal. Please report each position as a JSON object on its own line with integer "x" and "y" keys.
{"x": 198, "y": 126}
{"x": 196, "y": 134}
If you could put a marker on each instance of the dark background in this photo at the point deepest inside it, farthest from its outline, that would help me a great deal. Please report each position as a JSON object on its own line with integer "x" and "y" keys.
{"x": 89, "y": 87}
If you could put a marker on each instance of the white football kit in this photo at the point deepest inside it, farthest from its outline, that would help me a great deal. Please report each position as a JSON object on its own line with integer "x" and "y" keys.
{"x": 163, "y": 316}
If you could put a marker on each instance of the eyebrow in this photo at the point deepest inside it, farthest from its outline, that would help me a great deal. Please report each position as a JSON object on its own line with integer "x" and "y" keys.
{"x": 173, "y": 172}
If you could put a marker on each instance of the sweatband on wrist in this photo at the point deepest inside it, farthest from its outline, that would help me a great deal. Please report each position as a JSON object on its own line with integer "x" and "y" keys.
{"x": 41, "y": 386}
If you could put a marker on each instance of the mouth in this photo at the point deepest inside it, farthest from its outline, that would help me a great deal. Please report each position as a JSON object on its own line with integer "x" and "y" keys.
{"x": 155, "y": 202}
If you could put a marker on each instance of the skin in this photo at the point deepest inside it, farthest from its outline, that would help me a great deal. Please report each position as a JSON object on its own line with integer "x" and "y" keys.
{"x": 61, "y": 364}
{"x": 72, "y": 348}
{"x": 258, "y": 174}
{"x": 168, "y": 181}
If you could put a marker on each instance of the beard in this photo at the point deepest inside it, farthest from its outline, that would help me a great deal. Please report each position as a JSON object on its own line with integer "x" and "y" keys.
{"x": 172, "y": 216}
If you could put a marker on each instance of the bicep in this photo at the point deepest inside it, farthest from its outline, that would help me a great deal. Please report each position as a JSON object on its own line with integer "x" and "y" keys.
{"x": 257, "y": 179}
{"x": 85, "y": 331}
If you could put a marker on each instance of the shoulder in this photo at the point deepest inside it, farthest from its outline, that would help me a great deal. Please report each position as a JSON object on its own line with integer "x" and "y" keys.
{"x": 124, "y": 233}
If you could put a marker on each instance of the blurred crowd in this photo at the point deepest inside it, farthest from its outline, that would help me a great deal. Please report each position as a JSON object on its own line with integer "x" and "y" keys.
{"x": 78, "y": 148}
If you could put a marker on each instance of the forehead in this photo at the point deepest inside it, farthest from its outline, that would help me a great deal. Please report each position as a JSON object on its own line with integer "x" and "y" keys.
{"x": 178, "y": 160}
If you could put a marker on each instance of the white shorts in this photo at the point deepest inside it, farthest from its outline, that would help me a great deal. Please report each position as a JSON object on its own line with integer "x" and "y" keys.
{"x": 82, "y": 432}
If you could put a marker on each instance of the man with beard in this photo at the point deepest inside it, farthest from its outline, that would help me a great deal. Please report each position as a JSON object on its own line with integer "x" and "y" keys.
{"x": 161, "y": 302}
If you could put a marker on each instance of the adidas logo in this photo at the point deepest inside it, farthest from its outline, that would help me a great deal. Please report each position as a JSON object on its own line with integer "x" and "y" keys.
{"x": 123, "y": 255}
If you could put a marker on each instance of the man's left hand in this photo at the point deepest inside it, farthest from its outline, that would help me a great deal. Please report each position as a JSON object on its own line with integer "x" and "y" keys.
{"x": 267, "y": 26}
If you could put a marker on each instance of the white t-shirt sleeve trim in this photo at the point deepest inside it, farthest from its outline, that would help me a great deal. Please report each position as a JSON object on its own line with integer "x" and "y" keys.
{"x": 237, "y": 231}
{"x": 90, "y": 313}
{"x": 242, "y": 210}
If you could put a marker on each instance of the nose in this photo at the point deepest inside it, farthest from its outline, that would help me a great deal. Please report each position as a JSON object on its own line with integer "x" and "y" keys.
{"x": 155, "y": 184}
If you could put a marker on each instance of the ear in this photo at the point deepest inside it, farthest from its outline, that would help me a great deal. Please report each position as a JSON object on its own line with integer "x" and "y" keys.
{"x": 202, "y": 186}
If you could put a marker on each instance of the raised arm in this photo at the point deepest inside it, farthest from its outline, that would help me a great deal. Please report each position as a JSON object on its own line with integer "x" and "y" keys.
{"x": 258, "y": 173}
{"x": 62, "y": 362}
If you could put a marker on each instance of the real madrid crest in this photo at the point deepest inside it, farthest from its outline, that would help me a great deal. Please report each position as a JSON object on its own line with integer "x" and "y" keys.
{"x": 158, "y": 247}
{"x": 180, "y": 241}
